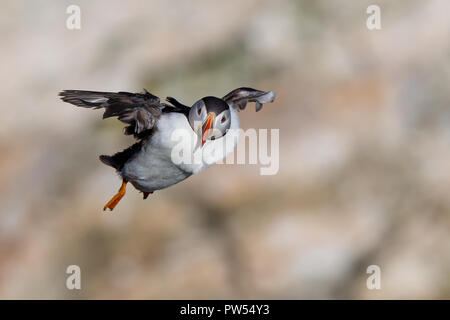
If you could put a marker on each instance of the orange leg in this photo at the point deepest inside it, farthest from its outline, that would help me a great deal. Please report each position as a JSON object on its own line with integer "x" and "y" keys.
{"x": 115, "y": 200}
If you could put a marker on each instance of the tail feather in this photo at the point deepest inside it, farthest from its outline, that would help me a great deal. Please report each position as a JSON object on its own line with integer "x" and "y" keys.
{"x": 109, "y": 161}
{"x": 118, "y": 160}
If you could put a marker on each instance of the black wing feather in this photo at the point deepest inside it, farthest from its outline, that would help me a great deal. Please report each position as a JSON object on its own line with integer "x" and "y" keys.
{"x": 238, "y": 98}
{"x": 139, "y": 110}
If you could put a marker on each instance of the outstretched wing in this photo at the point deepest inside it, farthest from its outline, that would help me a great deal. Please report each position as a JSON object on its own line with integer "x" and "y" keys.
{"x": 139, "y": 110}
{"x": 239, "y": 97}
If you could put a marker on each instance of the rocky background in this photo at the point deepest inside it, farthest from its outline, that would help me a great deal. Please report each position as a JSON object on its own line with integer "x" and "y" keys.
{"x": 364, "y": 173}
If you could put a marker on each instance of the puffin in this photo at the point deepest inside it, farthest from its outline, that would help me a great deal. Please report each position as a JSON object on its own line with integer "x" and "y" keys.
{"x": 205, "y": 133}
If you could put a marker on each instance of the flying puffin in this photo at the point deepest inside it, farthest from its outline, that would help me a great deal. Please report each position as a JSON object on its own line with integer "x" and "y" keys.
{"x": 148, "y": 164}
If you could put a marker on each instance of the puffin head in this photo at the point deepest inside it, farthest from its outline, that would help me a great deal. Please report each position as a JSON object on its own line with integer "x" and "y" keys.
{"x": 210, "y": 118}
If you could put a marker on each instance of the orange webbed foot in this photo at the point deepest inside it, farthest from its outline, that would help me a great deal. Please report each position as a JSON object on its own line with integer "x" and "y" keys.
{"x": 115, "y": 200}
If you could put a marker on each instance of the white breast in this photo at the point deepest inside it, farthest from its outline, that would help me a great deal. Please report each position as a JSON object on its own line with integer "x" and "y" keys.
{"x": 155, "y": 167}
{"x": 212, "y": 151}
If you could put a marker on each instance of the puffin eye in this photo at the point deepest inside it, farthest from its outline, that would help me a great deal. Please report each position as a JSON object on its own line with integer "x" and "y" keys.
{"x": 199, "y": 110}
{"x": 223, "y": 119}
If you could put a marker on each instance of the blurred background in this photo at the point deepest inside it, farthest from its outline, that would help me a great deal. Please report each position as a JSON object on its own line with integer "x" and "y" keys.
{"x": 364, "y": 173}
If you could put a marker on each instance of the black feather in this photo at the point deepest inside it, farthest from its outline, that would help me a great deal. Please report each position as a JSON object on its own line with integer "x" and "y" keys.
{"x": 139, "y": 110}
{"x": 238, "y": 98}
{"x": 118, "y": 160}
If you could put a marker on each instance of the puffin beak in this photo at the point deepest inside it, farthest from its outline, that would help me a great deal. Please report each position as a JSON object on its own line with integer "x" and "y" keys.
{"x": 207, "y": 126}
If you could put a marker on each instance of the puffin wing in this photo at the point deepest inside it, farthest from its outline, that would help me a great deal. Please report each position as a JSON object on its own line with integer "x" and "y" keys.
{"x": 238, "y": 98}
{"x": 139, "y": 110}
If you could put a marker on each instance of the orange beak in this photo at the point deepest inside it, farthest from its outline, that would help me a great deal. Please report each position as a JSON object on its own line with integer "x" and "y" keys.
{"x": 207, "y": 126}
